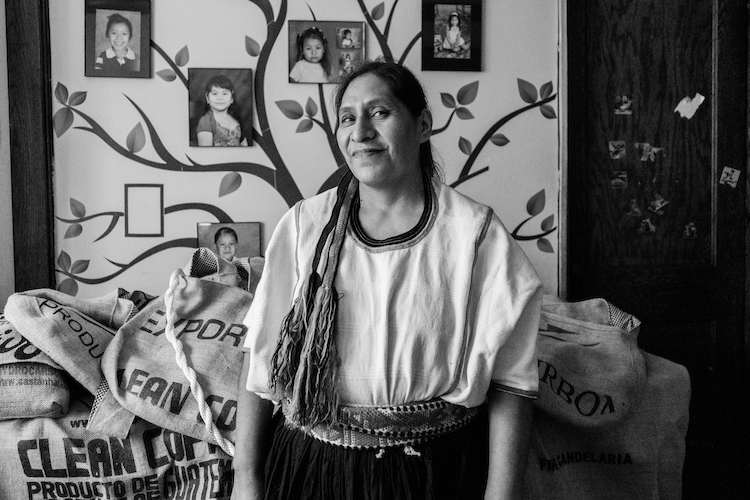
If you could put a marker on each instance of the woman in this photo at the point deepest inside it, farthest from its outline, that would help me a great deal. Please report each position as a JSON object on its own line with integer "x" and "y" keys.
{"x": 416, "y": 328}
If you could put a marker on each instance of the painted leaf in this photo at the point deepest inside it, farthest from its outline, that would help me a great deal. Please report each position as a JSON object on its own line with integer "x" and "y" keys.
{"x": 63, "y": 261}
{"x": 79, "y": 266}
{"x": 136, "y": 139}
{"x": 468, "y": 93}
{"x": 548, "y": 222}
{"x": 465, "y": 146}
{"x": 546, "y": 90}
{"x": 548, "y": 111}
{"x": 448, "y": 100}
{"x": 378, "y": 11}
{"x": 527, "y": 91}
{"x": 291, "y": 109}
{"x": 230, "y": 183}
{"x": 69, "y": 286}
{"x": 182, "y": 57}
{"x": 535, "y": 205}
{"x": 252, "y": 47}
{"x": 311, "y": 108}
{"x": 499, "y": 140}
{"x": 61, "y": 93}
{"x": 464, "y": 113}
{"x": 304, "y": 126}
{"x": 167, "y": 75}
{"x": 77, "y": 98}
{"x": 73, "y": 231}
{"x": 544, "y": 245}
{"x": 77, "y": 208}
{"x": 62, "y": 121}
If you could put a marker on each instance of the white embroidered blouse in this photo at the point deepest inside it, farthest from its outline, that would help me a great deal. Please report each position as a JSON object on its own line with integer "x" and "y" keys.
{"x": 443, "y": 311}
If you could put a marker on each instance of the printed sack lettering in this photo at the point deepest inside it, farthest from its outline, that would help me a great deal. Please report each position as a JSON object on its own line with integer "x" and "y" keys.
{"x": 144, "y": 378}
{"x": 45, "y": 458}
{"x": 73, "y": 332}
{"x": 31, "y": 383}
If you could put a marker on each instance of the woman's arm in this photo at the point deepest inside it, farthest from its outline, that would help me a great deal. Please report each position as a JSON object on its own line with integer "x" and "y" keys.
{"x": 253, "y": 436}
{"x": 510, "y": 430}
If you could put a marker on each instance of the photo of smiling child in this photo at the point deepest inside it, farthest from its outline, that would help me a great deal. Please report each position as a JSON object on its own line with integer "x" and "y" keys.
{"x": 220, "y": 102}
{"x": 221, "y": 125}
{"x": 115, "y": 34}
{"x": 118, "y": 57}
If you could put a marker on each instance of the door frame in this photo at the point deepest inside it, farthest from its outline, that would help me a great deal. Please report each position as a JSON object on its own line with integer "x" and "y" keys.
{"x": 31, "y": 148}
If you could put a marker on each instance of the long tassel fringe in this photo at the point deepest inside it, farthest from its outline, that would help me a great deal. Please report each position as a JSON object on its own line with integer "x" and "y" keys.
{"x": 315, "y": 395}
{"x": 286, "y": 358}
{"x": 305, "y": 364}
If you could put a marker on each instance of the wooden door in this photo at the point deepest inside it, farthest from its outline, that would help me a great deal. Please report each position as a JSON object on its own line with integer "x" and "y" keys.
{"x": 657, "y": 225}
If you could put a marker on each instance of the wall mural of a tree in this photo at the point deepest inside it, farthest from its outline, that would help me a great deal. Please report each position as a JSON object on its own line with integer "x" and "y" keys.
{"x": 312, "y": 117}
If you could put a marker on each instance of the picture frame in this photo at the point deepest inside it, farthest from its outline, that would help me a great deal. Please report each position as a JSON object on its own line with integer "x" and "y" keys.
{"x": 451, "y": 35}
{"x": 247, "y": 233}
{"x": 344, "y": 50}
{"x": 209, "y": 126}
{"x": 108, "y": 52}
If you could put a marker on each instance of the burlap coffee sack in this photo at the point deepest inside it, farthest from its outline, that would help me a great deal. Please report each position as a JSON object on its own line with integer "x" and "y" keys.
{"x": 591, "y": 371}
{"x": 641, "y": 456}
{"x": 73, "y": 332}
{"x": 144, "y": 379}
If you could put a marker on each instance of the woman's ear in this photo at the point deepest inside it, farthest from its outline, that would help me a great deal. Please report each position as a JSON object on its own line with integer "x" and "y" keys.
{"x": 424, "y": 122}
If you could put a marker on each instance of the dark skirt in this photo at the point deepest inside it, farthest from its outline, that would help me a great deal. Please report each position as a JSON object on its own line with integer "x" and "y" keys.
{"x": 450, "y": 467}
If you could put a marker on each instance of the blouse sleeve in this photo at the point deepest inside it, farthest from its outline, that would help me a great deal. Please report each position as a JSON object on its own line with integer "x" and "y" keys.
{"x": 204, "y": 124}
{"x": 506, "y": 296}
{"x": 273, "y": 300}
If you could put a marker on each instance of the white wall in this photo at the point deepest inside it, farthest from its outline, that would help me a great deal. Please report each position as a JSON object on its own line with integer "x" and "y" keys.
{"x": 520, "y": 42}
{"x": 7, "y": 277}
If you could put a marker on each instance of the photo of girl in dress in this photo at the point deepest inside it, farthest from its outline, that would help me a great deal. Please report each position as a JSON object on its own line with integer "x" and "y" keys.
{"x": 220, "y": 107}
{"x": 323, "y": 51}
{"x": 115, "y": 34}
{"x": 452, "y": 35}
{"x": 454, "y": 29}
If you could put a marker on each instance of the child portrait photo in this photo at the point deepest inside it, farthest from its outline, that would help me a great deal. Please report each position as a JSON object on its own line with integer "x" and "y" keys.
{"x": 451, "y": 35}
{"x": 324, "y": 51}
{"x": 230, "y": 240}
{"x": 118, "y": 35}
{"x": 220, "y": 107}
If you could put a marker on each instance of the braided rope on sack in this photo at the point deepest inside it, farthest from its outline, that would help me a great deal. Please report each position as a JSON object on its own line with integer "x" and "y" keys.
{"x": 195, "y": 387}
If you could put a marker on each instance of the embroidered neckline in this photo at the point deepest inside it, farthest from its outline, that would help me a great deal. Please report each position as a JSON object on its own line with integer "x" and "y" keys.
{"x": 408, "y": 238}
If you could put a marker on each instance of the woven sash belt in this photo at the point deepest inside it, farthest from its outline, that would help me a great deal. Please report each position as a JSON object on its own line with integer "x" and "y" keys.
{"x": 385, "y": 426}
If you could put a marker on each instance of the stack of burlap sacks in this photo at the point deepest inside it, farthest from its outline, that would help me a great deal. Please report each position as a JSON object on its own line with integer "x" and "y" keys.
{"x": 94, "y": 404}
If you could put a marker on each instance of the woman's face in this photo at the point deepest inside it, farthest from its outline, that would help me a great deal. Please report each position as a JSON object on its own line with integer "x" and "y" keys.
{"x": 119, "y": 37}
{"x": 313, "y": 50}
{"x": 219, "y": 99}
{"x": 226, "y": 246}
{"x": 378, "y": 135}
{"x": 454, "y": 21}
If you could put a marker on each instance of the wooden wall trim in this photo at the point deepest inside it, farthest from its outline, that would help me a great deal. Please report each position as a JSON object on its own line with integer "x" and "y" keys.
{"x": 31, "y": 153}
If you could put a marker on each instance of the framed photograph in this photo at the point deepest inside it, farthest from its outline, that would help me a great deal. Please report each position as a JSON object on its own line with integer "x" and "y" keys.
{"x": 324, "y": 51}
{"x": 118, "y": 38}
{"x": 230, "y": 240}
{"x": 220, "y": 107}
{"x": 452, "y": 35}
